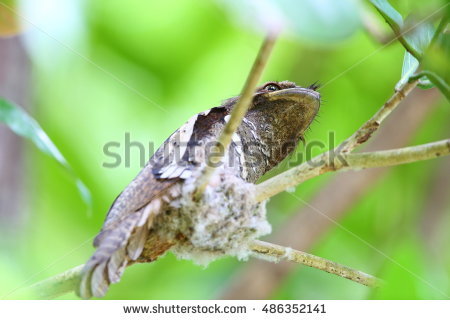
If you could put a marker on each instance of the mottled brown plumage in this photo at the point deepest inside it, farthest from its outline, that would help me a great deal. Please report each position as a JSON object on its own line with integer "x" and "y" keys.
{"x": 279, "y": 115}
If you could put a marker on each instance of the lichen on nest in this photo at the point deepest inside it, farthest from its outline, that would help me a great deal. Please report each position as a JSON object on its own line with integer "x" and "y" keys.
{"x": 221, "y": 223}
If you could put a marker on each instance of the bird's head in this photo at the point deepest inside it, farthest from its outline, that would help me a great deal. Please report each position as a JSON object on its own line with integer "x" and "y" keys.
{"x": 280, "y": 114}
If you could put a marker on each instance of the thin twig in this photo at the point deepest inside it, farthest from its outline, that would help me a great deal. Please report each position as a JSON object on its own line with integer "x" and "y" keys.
{"x": 67, "y": 281}
{"x": 436, "y": 80}
{"x": 271, "y": 251}
{"x": 365, "y": 132}
{"x": 351, "y": 161}
{"x": 399, "y": 36}
{"x": 239, "y": 110}
{"x": 358, "y": 161}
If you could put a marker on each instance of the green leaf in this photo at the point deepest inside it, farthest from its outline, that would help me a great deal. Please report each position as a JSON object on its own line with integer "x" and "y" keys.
{"x": 25, "y": 126}
{"x": 438, "y": 81}
{"x": 392, "y": 17}
{"x": 395, "y": 21}
{"x": 410, "y": 65}
{"x": 420, "y": 36}
{"x": 425, "y": 83}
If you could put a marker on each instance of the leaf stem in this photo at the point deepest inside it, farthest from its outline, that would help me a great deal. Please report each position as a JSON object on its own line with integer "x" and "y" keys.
{"x": 436, "y": 80}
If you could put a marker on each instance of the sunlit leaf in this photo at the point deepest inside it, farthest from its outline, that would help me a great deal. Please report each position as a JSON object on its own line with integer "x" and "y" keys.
{"x": 420, "y": 35}
{"x": 425, "y": 83}
{"x": 419, "y": 38}
{"x": 392, "y": 17}
{"x": 410, "y": 65}
{"x": 395, "y": 21}
{"x": 25, "y": 126}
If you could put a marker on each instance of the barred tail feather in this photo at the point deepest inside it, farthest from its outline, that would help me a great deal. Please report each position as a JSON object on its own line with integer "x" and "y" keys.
{"x": 117, "y": 264}
{"x": 136, "y": 244}
{"x": 100, "y": 280}
{"x": 115, "y": 248}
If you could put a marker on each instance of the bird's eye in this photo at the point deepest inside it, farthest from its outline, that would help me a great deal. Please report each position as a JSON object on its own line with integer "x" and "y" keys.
{"x": 271, "y": 87}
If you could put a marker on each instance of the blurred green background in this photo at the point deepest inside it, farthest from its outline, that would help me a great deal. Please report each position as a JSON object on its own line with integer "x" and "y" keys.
{"x": 100, "y": 69}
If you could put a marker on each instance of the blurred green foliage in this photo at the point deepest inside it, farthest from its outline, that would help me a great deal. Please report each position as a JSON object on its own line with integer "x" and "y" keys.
{"x": 156, "y": 63}
{"x": 23, "y": 125}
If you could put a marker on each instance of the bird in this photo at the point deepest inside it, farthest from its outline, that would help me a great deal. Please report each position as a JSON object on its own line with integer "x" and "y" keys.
{"x": 279, "y": 115}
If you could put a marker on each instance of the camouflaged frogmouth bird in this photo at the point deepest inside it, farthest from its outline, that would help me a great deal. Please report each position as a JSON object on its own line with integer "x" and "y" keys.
{"x": 276, "y": 120}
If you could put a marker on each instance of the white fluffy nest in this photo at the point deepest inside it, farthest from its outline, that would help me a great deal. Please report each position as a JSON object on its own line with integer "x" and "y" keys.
{"x": 221, "y": 224}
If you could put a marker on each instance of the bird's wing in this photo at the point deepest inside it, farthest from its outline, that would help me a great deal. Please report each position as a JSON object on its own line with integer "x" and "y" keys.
{"x": 126, "y": 227}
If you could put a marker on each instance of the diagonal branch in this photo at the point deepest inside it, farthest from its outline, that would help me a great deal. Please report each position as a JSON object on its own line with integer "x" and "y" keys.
{"x": 358, "y": 161}
{"x": 239, "y": 110}
{"x": 58, "y": 285}
{"x": 351, "y": 161}
{"x": 271, "y": 251}
{"x": 365, "y": 132}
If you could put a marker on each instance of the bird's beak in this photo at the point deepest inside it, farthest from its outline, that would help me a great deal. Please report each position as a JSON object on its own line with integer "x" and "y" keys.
{"x": 303, "y": 96}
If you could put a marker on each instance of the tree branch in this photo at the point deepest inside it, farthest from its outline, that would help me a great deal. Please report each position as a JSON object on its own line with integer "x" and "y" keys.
{"x": 68, "y": 280}
{"x": 357, "y": 161}
{"x": 239, "y": 110}
{"x": 351, "y": 161}
{"x": 58, "y": 285}
{"x": 365, "y": 132}
{"x": 271, "y": 251}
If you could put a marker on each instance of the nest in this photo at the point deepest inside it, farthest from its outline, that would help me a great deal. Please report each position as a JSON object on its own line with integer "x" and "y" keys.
{"x": 221, "y": 223}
